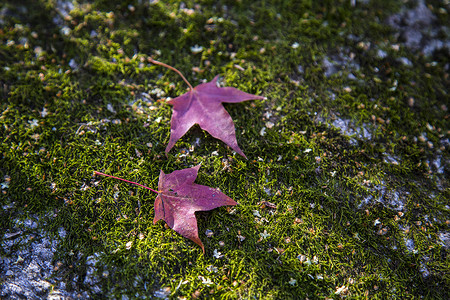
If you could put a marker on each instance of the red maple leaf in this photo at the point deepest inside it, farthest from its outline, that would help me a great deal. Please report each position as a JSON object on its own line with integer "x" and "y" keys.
{"x": 202, "y": 105}
{"x": 179, "y": 198}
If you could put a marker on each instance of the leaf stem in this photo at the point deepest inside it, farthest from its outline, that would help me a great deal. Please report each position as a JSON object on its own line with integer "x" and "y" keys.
{"x": 172, "y": 68}
{"x": 103, "y": 174}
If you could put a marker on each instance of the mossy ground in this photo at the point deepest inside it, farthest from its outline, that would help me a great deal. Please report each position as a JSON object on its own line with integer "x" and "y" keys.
{"x": 356, "y": 216}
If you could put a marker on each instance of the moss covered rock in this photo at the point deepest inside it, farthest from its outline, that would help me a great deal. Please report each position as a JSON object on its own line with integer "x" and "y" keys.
{"x": 345, "y": 190}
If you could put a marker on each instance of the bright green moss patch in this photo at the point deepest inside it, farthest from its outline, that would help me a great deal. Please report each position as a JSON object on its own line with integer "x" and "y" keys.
{"x": 351, "y": 147}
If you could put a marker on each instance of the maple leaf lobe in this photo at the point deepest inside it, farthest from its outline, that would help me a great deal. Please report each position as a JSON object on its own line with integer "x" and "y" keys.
{"x": 203, "y": 106}
{"x": 179, "y": 198}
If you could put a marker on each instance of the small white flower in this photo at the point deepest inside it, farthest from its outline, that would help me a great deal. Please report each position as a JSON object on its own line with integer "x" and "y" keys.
{"x": 5, "y": 185}
{"x": 110, "y": 108}
{"x": 333, "y": 173}
{"x": 97, "y": 143}
{"x": 264, "y": 234}
{"x": 377, "y": 221}
{"x": 341, "y": 290}
{"x": 319, "y": 277}
{"x": 205, "y": 281}
{"x": 38, "y": 51}
{"x": 241, "y": 238}
{"x": 33, "y": 123}
{"x": 162, "y": 293}
{"x": 295, "y": 45}
{"x": 307, "y": 261}
{"x": 217, "y": 254}
{"x": 292, "y": 281}
{"x": 196, "y": 49}
{"x": 84, "y": 187}
{"x": 315, "y": 259}
{"x": 128, "y": 245}
{"x": 44, "y": 112}
{"x": 65, "y": 30}
{"x": 212, "y": 269}
{"x": 262, "y": 132}
{"x": 215, "y": 153}
{"x": 307, "y": 150}
{"x": 256, "y": 214}
{"x": 157, "y": 91}
{"x": 73, "y": 64}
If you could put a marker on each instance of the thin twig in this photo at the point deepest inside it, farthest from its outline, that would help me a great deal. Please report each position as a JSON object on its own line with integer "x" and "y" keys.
{"x": 172, "y": 68}
{"x": 100, "y": 173}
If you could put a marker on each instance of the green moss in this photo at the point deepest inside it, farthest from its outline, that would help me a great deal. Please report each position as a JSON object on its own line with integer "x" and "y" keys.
{"x": 337, "y": 222}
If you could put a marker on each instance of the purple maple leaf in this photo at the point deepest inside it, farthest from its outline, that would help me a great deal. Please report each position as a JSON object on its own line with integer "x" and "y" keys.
{"x": 179, "y": 198}
{"x": 202, "y": 105}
